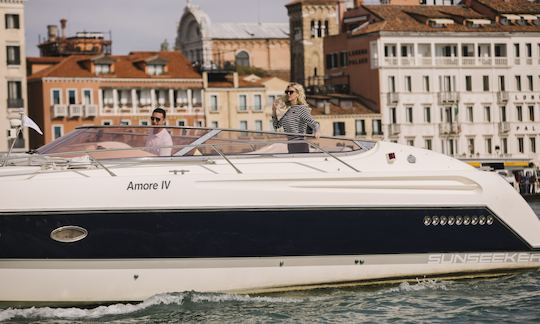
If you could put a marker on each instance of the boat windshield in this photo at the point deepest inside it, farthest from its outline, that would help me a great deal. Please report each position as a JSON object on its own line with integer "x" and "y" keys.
{"x": 114, "y": 142}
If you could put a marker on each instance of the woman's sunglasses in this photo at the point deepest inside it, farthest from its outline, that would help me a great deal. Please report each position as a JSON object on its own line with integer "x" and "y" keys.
{"x": 156, "y": 119}
{"x": 289, "y": 92}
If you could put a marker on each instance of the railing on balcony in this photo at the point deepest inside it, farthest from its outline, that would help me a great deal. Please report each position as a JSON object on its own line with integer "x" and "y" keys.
{"x": 425, "y": 61}
{"x": 504, "y": 127}
{"x": 408, "y": 61}
{"x": 15, "y": 103}
{"x": 392, "y": 98}
{"x": 485, "y": 61}
{"x": 394, "y": 129}
{"x": 390, "y": 61}
{"x": 501, "y": 61}
{"x": 448, "y": 97}
{"x": 502, "y": 96}
{"x": 449, "y": 128}
{"x": 468, "y": 61}
{"x": 446, "y": 61}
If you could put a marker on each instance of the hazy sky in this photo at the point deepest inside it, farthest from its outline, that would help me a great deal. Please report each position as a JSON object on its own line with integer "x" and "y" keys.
{"x": 138, "y": 24}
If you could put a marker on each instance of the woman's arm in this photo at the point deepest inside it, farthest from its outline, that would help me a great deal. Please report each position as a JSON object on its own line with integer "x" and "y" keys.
{"x": 312, "y": 123}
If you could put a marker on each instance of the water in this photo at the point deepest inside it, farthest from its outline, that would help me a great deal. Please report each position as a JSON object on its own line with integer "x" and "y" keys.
{"x": 514, "y": 298}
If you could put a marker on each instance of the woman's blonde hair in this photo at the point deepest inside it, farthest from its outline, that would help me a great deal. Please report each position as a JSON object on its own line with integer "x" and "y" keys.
{"x": 301, "y": 93}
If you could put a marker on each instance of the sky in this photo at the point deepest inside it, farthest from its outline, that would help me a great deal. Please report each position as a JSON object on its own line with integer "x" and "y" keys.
{"x": 138, "y": 25}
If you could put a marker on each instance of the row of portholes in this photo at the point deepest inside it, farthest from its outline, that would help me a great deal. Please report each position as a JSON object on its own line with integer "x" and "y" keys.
{"x": 458, "y": 220}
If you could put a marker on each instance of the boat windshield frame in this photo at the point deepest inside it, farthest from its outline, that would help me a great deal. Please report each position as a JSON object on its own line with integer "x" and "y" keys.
{"x": 128, "y": 142}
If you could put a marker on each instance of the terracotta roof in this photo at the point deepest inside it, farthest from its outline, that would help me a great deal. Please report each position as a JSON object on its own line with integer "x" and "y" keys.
{"x": 414, "y": 19}
{"x": 124, "y": 67}
{"x": 228, "y": 83}
{"x": 47, "y": 59}
{"x": 511, "y": 6}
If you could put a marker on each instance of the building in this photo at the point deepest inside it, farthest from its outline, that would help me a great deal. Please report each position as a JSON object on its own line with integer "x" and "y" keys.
{"x": 231, "y": 45}
{"x": 82, "y": 43}
{"x": 12, "y": 75}
{"x": 309, "y": 22}
{"x": 66, "y": 92}
{"x": 461, "y": 80}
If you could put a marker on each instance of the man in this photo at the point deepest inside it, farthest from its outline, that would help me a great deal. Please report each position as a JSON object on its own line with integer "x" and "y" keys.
{"x": 159, "y": 140}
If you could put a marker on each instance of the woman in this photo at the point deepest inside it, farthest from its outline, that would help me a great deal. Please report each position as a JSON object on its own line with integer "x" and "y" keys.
{"x": 294, "y": 116}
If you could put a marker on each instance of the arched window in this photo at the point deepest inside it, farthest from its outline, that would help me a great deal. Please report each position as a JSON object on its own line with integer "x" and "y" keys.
{"x": 242, "y": 59}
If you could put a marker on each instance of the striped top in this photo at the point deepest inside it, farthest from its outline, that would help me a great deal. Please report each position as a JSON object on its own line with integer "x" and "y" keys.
{"x": 296, "y": 120}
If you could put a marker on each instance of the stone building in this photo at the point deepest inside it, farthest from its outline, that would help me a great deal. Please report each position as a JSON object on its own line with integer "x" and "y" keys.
{"x": 214, "y": 46}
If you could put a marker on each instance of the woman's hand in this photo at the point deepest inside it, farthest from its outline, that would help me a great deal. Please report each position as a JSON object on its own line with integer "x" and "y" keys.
{"x": 274, "y": 108}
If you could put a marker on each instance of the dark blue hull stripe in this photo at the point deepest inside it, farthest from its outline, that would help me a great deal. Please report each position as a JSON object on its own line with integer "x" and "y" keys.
{"x": 252, "y": 233}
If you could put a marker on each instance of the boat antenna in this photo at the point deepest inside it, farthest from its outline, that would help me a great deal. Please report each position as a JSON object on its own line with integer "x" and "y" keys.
{"x": 19, "y": 128}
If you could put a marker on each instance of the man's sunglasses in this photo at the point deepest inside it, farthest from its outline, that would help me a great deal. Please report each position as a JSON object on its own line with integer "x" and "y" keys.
{"x": 156, "y": 119}
{"x": 289, "y": 92}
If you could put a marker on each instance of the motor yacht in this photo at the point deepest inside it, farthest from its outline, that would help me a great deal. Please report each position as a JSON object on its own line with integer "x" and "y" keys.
{"x": 95, "y": 217}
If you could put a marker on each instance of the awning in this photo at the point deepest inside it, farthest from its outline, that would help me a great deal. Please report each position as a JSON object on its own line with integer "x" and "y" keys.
{"x": 529, "y": 17}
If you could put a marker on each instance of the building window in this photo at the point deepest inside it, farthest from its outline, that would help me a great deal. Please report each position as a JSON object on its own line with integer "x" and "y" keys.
{"x": 428, "y": 143}
{"x": 15, "y": 94}
{"x": 242, "y": 103}
{"x": 528, "y": 47}
{"x": 72, "y": 96}
{"x": 106, "y": 122}
{"x": 199, "y": 123}
{"x": 470, "y": 145}
{"x": 12, "y": 21}
{"x": 257, "y": 102}
{"x": 521, "y": 148}
{"x": 243, "y": 125}
{"x": 427, "y": 115}
{"x": 214, "y": 124}
{"x": 181, "y": 123}
{"x": 87, "y": 97}
{"x": 271, "y": 99}
{"x": 377, "y": 127}
{"x": 532, "y": 142}
{"x": 519, "y": 113}
{"x": 360, "y": 127}
{"x": 13, "y": 55}
{"x": 485, "y": 79}
{"x": 504, "y": 144}
{"x": 518, "y": 83}
{"x": 408, "y": 83}
{"x": 213, "y": 103}
{"x": 393, "y": 117}
{"x": 410, "y": 141}
{"x": 502, "y": 83}
{"x": 489, "y": 148}
{"x": 470, "y": 114}
{"x": 125, "y": 122}
{"x": 242, "y": 59}
{"x": 103, "y": 68}
{"x": 259, "y": 125}
{"x": 339, "y": 128}
{"x": 391, "y": 84}
{"x": 55, "y": 97}
{"x": 155, "y": 69}
{"x": 516, "y": 50}
{"x": 468, "y": 83}
{"x": 531, "y": 113}
{"x": 503, "y": 113}
{"x": 530, "y": 84}
{"x": 144, "y": 122}
{"x": 487, "y": 113}
{"x": 409, "y": 114}
{"x": 58, "y": 131}
{"x": 426, "y": 83}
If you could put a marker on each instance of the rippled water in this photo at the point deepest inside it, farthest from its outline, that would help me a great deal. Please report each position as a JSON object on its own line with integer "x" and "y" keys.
{"x": 514, "y": 298}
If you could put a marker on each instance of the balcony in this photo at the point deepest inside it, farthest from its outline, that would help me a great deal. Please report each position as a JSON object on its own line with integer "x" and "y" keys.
{"x": 448, "y": 97}
{"x": 394, "y": 129}
{"x": 90, "y": 111}
{"x": 449, "y": 129}
{"x": 392, "y": 98}
{"x": 75, "y": 111}
{"x": 15, "y": 103}
{"x": 59, "y": 111}
{"x": 448, "y": 61}
{"x": 504, "y": 127}
{"x": 502, "y": 97}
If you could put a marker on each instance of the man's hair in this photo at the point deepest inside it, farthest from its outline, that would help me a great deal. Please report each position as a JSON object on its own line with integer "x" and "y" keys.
{"x": 161, "y": 111}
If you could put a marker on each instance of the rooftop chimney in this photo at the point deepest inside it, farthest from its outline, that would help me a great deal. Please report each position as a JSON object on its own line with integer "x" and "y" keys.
{"x": 63, "y": 23}
{"x": 52, "y": 32}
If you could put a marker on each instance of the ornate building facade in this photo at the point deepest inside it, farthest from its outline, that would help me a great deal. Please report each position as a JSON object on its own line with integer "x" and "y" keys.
{"x": 229, "y": 45}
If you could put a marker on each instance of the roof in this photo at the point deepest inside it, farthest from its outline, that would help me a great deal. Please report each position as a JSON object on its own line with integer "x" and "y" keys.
{"x": 124, "y": 66}
{"x": 249, "y": 30}
{"x": 312, "y": 2}
{"x": 415, "y": 18}
{"x": 511, "y": 6}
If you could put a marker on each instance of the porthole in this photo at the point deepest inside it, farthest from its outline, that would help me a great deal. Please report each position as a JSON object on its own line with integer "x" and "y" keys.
{"x": 69, "y": 234}
{"x": 489, "y": 220}
{"x": 443, "y": 220}
{"x": 474, "y": 220}
{"x": 435, "y": 220}
{"x": 451, "y": 220}
{"x": 482, "y": 220}
{"x": 459, "y": 220}
{"x": 427, "y": 220}
{"x": 466, "y": 220}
